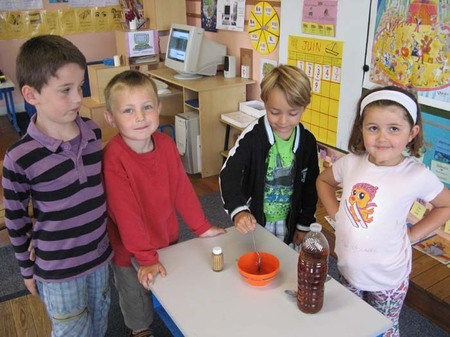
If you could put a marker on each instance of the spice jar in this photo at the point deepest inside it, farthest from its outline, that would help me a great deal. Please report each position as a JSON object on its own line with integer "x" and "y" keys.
{"x": 217, "y": 259}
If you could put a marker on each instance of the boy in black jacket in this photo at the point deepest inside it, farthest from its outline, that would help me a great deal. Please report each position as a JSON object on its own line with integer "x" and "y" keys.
{"x": 270, "y": 174}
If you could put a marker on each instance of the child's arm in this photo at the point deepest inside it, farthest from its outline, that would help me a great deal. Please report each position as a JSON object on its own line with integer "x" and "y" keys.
{"x": 244, "y": 222}
{"x": 147, "y": 274}
{"x": 435, "y": 218}
{"x": 30, "y": 284}
{"x": 213, "y": 231}
{"x": 326, "y": 189}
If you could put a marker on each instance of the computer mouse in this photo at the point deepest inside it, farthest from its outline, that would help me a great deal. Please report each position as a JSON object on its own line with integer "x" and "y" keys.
{"x": 164, "y": 91}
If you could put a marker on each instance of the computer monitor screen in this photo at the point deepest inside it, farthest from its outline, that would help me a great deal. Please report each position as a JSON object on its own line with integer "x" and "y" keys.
{"x": 178, "y": 44}
{"x": 141, "y": 38}
{"x": 191, "y": 53}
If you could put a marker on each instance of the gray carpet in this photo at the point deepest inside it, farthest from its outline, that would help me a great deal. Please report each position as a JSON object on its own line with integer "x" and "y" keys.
{"x": 412, "y": 324}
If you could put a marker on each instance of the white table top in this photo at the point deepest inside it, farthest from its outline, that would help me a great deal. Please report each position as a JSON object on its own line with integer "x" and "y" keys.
{"x": 6, "y": 85}
{"x": 202, "y": 302}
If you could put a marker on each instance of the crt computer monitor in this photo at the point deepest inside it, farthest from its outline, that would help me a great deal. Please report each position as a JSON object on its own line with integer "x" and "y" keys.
{"x": 191, "y": 53}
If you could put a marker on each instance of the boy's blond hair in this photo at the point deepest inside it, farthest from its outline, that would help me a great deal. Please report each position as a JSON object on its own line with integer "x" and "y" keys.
{"x": 292, "y": 81}
{"x": 126, "y": 80}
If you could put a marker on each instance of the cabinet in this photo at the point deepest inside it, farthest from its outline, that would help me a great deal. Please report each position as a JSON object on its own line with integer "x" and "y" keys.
{"x": 162, "y": 13}
{"x": 232, "y": 131}
{"x": 210, "y": 96}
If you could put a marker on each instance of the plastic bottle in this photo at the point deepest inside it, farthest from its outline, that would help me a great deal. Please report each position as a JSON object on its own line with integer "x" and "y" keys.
{"x": 217, "y": 259}
{"x": 312, "y": 270}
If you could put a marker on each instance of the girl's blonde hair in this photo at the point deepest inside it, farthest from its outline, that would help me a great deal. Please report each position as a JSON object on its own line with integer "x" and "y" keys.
{"x": 290, "y": 80}
{"x": 356, "y": 143}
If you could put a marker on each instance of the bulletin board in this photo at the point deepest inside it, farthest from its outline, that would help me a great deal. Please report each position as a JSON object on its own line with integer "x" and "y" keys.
{"x": 410, "y": 47}
{"x": 350, "y": 43}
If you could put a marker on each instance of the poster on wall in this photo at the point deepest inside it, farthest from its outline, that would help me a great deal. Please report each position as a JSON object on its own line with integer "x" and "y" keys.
{"x": 411, "y": 48}
{"x": 264, "y": 28}
{"x": 90, "y": 3}
{"x": 209, "y": 15}
{"x": 319, "y": 17}
{"x": 437, "y": 146}
{"x": 231, "y": 15}
{"x": 16, "y": 5}
{"x": 321, "y": 60}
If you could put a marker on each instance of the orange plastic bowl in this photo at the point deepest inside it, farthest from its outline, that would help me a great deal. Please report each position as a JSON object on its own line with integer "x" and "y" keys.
{"x": 248, "y": 268}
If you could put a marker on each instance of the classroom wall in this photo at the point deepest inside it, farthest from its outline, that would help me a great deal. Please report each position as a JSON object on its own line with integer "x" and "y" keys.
{"x": 236, "y": 40}
{"x": 97, "y": 46}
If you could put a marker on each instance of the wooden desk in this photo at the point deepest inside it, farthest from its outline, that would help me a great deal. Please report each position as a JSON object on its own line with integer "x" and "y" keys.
{"x": 213, "y": 96}
{"x": 204, "y": 303}
{"x": 6, "y": 90}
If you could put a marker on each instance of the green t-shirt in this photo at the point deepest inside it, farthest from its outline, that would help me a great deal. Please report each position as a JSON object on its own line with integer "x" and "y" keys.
{"x": 279, "y": 179}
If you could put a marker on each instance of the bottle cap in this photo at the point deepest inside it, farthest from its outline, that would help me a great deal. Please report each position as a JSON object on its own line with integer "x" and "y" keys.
{"x": 315, "y": 227}
{"x": 217, "y": 250}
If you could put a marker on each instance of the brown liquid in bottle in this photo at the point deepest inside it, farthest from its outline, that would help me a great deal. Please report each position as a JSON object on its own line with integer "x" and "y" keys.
{"x": 312, "y": 270}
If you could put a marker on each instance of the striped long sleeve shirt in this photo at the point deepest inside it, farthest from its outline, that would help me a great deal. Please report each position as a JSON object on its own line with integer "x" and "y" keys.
{"x": 64, "y": 183}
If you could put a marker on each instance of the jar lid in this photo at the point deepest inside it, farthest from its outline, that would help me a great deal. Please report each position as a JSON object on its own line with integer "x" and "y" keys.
{"x": 217, "y": 250}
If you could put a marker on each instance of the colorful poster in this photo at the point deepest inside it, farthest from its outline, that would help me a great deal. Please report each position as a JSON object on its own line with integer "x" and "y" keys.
{"x": 411, "y": 47}
{"x": 322, "y": 62}
{"x": 319, "y": 17}
{"x": 209, "y": 15}
{"x": 264, "y": 28}
{"x": 437, "y": 146}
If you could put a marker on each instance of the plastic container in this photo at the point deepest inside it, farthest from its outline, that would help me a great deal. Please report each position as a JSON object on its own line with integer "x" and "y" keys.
{"x": 217, "y": 259}
{"x": 312, "y": 270}
{"x": 265, "y": 274}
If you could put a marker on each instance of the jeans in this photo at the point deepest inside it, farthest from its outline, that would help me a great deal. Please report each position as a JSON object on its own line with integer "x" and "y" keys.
{"x": 78, "y": 307}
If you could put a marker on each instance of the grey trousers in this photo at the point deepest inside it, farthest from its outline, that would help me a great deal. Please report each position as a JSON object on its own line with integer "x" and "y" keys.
{"x": 135, "y": 301}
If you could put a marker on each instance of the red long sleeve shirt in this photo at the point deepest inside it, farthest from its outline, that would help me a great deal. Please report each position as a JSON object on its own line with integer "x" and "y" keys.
{"x": 144, "y": 193}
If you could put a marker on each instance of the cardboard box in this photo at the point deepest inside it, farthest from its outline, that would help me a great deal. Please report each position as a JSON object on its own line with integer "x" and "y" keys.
{"x": 253, "y": 108}
{"x": 99, "y": 76}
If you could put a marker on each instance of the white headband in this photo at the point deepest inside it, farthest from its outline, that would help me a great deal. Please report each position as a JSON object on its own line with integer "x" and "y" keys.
{"x": 391, "y": 95}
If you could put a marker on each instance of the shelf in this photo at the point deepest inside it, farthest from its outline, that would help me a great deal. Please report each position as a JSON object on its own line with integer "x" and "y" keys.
{"x": 215, "y": 95}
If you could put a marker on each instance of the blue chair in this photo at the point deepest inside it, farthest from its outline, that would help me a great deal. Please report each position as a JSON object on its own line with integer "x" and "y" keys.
{"x": 30, "y": 109}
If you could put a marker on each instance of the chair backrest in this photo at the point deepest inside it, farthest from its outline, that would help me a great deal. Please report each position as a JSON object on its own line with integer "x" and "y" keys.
{"x": 86, "y": 86}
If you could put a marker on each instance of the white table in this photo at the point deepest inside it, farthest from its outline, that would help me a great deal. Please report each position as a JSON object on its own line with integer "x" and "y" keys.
{"x": 202, "y": 302}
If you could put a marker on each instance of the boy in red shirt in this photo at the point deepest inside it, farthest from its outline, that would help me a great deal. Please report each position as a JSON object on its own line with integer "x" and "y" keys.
{"x": 146, "y": 186}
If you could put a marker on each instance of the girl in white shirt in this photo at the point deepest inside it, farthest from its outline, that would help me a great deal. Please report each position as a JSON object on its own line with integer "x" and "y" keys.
{"x": 381, "y": 180}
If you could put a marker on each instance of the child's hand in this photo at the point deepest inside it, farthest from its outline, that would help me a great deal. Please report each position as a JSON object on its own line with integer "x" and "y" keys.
{"x": 147, "y": 274}
{"x": 32, "y": 251}
{"x": 30, "y": 284}
{"x": 213, "y": 231}
{"x": 298, "y": 237}
{"x": 245, "y": 222}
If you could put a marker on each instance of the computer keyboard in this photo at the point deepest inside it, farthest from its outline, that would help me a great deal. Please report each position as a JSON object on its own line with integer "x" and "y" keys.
{"x": 160, "y": 84}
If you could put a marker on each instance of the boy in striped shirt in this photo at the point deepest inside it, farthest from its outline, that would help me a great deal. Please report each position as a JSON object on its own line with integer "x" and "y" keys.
{"x": 56, "y": 166}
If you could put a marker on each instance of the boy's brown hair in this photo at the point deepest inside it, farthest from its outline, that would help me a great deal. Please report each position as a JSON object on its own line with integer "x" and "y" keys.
{"x": 42, "y": 56}
{"x": 292, "y": 81}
